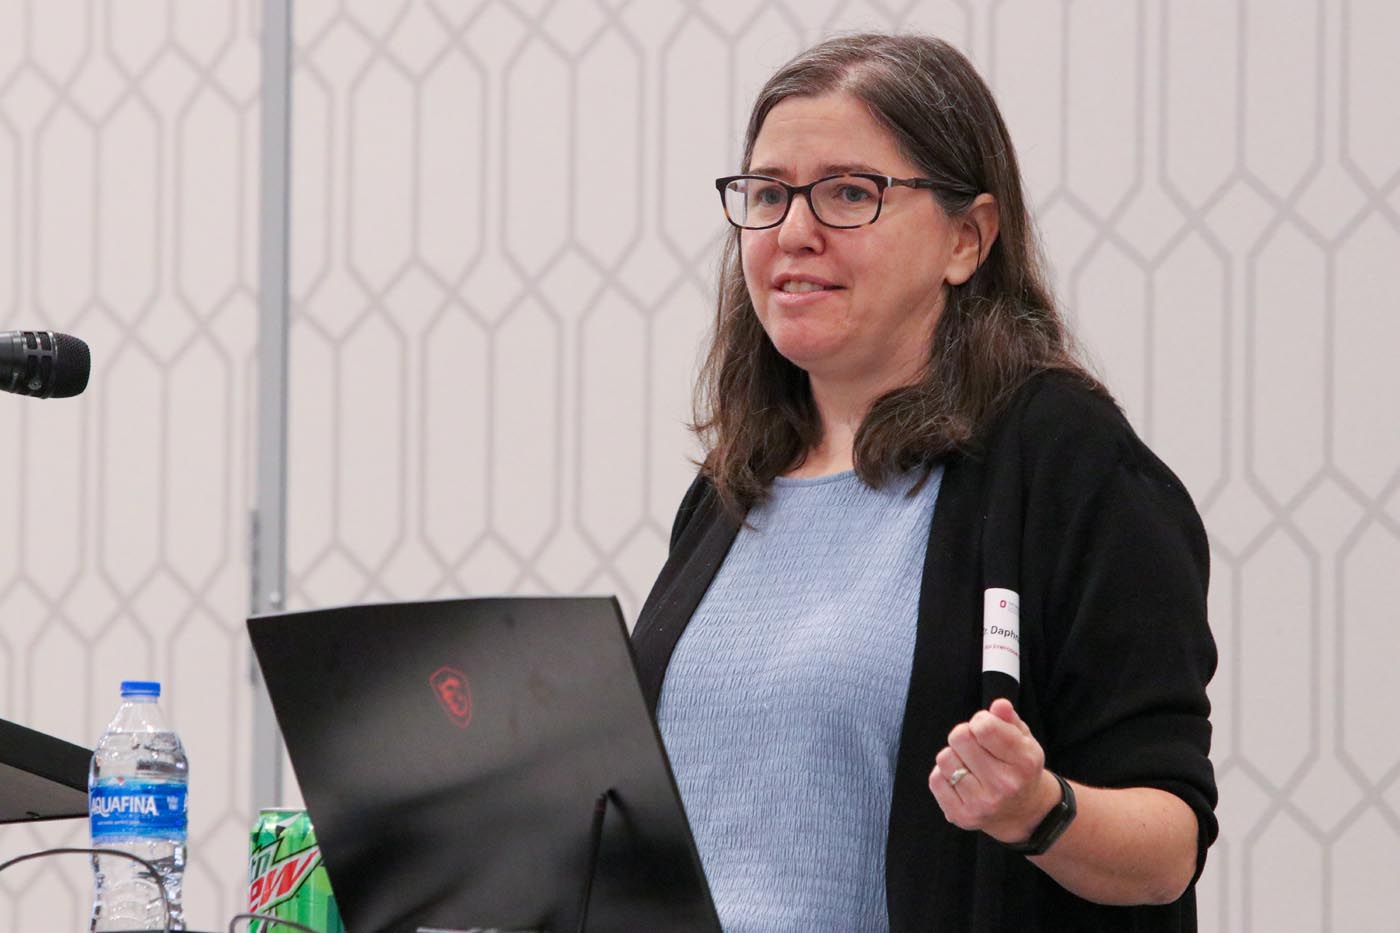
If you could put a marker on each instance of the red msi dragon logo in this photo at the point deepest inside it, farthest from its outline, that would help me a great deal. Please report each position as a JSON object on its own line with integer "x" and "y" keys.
{"x": 454, "y": 694}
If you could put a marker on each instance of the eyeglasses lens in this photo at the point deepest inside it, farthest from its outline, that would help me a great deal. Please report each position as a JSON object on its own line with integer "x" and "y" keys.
{"x": 846, "y": 201}
{"x": 755, "y": 202}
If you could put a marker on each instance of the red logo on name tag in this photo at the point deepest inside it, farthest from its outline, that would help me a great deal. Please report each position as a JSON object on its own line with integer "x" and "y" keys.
{"x": 454, "y": 695}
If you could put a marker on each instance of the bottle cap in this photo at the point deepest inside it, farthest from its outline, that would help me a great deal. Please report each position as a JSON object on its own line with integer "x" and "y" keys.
{"x": 140, "y": 688}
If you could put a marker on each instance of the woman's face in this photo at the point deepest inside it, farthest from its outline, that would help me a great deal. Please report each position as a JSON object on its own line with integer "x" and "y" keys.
{"x": 882, "y": 285}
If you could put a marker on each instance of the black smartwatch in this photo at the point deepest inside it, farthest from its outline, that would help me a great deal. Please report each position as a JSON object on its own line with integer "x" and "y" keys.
{"x": 1052, "y": 827}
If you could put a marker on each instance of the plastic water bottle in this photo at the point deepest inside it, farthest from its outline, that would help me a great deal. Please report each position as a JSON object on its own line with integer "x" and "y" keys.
{"x": 137, "y": 804}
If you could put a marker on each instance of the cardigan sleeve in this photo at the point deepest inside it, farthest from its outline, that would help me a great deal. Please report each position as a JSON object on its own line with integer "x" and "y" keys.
{"x": 1122, "y": 563}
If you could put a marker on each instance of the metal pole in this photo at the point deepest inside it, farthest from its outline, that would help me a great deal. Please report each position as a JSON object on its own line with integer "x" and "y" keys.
{"x": 269, "y": 560}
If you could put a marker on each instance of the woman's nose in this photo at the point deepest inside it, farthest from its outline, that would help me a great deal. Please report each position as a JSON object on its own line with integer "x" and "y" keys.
{"x": 800, "y": 229}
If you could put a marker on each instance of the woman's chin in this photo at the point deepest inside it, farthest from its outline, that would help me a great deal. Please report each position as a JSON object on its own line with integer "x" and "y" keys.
{"x": 813, "y": 357}
{"x": 802, "y": 344}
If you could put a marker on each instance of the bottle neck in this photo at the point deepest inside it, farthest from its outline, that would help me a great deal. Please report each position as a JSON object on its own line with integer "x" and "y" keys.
{"x": 139, "y": 714}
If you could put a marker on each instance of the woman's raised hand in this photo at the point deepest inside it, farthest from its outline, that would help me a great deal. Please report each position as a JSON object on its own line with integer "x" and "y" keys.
{"x": 991, "y": 776}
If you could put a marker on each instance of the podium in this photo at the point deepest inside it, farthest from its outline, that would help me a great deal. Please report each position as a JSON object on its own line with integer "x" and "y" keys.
{"x": 41, "y": 777}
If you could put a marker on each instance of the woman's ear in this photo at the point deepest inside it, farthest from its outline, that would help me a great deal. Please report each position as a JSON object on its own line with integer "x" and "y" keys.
{"x": 974, "y": 232}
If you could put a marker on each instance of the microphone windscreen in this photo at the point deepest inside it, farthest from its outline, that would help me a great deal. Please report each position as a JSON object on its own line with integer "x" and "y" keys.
{"x": 72, "y": 362}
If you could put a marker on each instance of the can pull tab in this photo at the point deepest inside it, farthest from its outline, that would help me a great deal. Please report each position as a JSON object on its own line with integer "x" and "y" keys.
{"x": 1001, "y": 632}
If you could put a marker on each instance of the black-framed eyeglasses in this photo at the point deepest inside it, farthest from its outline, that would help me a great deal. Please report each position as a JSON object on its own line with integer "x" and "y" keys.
{"x": 757, "y": 202}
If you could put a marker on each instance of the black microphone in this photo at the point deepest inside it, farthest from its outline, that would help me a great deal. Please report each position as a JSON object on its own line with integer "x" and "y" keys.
{"x": 43, "y": 364}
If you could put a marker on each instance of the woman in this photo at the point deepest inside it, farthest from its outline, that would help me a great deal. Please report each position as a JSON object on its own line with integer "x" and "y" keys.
{"x": 930, "y": 649}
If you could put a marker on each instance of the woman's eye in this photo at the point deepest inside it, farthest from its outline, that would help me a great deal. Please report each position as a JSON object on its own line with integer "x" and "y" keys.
{"x": 852, "y": 194}
{"x": 769, "y": 196}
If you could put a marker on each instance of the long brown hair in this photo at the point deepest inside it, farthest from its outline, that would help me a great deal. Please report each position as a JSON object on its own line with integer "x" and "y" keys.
{"x": 754, "y": 411}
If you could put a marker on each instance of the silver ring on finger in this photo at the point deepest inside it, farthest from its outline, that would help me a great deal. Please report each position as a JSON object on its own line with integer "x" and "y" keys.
{"x": 957, "y": 775}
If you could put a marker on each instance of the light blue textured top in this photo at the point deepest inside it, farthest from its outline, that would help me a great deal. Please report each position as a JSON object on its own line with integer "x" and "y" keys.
{"x": 783, "y": 701}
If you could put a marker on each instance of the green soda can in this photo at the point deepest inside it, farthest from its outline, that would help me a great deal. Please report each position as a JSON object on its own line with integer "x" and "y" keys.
{"x": 285, "y": 876}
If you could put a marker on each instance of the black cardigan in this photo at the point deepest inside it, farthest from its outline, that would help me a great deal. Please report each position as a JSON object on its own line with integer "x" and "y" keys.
{"x": 1111, "y": 563}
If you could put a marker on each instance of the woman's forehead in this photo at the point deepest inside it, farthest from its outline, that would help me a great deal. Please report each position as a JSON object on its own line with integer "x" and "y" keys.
{"x": 824, "y": 135}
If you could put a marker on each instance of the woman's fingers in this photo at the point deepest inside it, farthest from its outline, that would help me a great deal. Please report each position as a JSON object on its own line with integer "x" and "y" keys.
{"x": 971, "y": 750}
{"x": 988, "y": 768}
{"x": 1007, "y": 741}
{"x": 949, "y": 781}
{"x": 1003, "y": 710}
{"x": 950, "y": 767}
{"x": 949, "y": 772}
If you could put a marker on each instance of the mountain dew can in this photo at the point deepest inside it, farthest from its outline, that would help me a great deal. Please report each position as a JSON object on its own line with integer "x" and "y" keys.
{"x": 286, "y": 879}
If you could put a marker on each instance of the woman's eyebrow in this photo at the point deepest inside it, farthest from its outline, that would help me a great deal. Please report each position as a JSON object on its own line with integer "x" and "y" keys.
{"x": 846, "y": 167}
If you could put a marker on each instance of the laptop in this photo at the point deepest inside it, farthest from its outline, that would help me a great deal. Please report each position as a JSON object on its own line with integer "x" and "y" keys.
{"x": 483, "y": 764}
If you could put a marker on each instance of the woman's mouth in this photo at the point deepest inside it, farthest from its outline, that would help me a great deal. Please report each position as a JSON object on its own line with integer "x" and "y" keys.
{"x": 794, "y": 287}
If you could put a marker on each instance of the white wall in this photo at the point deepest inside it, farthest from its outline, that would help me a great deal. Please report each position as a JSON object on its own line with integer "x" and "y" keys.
{"x": 128, "y": 193}
{"x": 492, "y": 348}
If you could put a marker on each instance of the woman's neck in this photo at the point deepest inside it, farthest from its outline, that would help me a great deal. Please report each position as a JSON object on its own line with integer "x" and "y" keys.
{"x": 841, "y": 408}
{"x": 832, "y": 455}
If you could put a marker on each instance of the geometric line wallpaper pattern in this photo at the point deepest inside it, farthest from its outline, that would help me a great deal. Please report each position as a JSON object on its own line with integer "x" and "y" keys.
{"x": 503, "y": 247}
{"x": 128, "y": 217}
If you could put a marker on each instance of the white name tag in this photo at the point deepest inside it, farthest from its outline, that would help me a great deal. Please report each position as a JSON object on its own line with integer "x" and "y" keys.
{"x": 1001, "y": 632}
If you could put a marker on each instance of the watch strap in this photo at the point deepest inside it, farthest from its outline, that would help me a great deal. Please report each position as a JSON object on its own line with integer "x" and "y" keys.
{"x": 1052, "y": 826}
